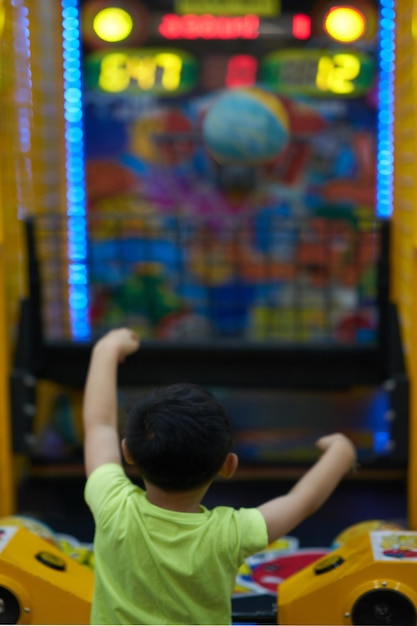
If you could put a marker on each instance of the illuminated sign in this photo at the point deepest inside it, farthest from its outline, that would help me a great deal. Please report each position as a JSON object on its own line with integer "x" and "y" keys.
{"x": 264, "y": 8}
{"x": 141, "y": 70}
{"x": 104, "y": 24}
{"x": 301, "y": 26}
{"x": 170, "y": 71}
{"x": 318, "y": 72}
{"x": 241, "y": 71}
{"x": 220, "y": 70}
{"x": 345, "y": 23}
{"x": 209, "y": 27}
{"x": 113, "y": 24}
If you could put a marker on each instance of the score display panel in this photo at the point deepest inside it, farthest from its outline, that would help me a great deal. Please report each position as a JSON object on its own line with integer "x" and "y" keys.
{"x": 284, "y": 252}
{"x": 173, "y": 71}
{"x": 176, "y": 52}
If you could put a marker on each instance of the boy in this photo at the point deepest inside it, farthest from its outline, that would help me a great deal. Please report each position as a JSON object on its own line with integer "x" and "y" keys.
{"x": 160, "y": 557}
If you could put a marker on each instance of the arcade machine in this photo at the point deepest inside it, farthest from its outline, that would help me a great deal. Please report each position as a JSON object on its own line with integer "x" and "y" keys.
{"x": 266, "y": 280}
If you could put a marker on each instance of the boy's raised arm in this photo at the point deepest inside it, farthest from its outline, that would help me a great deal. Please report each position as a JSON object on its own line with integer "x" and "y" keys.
{"x": 284, "y": 513}
{"x": 101, "y": 437}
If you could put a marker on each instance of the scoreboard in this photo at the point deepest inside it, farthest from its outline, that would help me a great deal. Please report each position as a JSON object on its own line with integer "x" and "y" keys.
{"x": 176, "y": 53}
{"x": 173, "y": 71}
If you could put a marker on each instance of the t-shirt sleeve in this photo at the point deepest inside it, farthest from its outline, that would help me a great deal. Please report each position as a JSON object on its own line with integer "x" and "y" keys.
{"x": 106, "y": 490}
{"x": 253, "y": 532}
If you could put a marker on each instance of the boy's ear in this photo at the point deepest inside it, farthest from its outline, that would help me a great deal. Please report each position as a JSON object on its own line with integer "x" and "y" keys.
{"x": 229, "y": 466}
{"x": 126, "y": 453}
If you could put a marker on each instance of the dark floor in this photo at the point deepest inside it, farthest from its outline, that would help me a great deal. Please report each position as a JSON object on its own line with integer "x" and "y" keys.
{"x": 58, "y": 502}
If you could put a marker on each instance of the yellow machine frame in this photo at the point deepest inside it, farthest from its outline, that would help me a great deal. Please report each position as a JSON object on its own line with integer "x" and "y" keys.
{"x": 6, "y": 478}
{"x": 403, "y": 260}
{"x": 32, "y": 175}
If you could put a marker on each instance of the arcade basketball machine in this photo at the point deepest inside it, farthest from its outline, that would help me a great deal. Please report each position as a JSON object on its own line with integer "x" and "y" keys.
{"x": 269, "y": 280}
{"x": 258, "y": 280}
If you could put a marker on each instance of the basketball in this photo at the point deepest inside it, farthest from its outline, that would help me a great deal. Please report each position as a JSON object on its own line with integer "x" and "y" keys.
{"x": 246, "y": 127}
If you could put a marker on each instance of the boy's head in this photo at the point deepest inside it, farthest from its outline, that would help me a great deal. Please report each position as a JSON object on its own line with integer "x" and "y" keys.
{"x": 178, "y": 436}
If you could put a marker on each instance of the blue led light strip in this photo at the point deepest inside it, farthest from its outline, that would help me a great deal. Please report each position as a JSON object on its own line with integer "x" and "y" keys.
{"x": 385, "y": 148}
{"x": 74, "y": 166}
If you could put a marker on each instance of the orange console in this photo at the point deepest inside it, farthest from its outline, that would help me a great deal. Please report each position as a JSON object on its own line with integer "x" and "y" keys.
{"x": 39, "y": 584}
{"x": 370, "y": 579}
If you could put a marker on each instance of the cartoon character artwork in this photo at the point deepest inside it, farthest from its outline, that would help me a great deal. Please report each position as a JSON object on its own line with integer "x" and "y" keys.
{"x": 394, "y": 545}
{"x": 183, "y": 248}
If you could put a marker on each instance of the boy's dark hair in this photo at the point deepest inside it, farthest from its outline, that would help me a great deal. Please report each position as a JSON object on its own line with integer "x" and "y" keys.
{"x": 178, "y": 436}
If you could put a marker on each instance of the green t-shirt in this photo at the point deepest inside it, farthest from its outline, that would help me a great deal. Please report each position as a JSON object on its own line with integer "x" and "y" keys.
{"x": 154, "y": 566}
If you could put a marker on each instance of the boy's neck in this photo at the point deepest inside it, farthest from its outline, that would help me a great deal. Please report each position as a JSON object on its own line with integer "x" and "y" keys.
{"x": 180, "y": 501}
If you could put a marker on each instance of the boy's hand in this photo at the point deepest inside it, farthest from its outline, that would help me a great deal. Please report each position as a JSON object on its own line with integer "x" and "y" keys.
{"x": 123, "y": 340}
{"x": 101, "y": 437}
{"x": 284, "y": 513}
{"x": 337, "y": 439}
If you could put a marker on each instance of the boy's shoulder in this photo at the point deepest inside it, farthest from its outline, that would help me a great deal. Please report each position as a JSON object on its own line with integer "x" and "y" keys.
{"x": 108, "y": 472}
{"x": 243, "y": 527}
{"x": 246, "y": 518}
{"x": 106, "y": 481}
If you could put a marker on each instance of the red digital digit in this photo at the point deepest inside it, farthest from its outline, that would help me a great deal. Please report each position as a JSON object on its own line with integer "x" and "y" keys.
{"x": 241, "y": 71}
{"x": 208, "y": 26}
